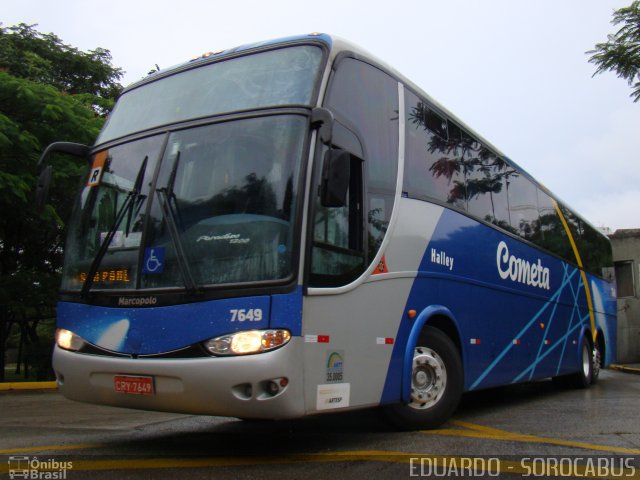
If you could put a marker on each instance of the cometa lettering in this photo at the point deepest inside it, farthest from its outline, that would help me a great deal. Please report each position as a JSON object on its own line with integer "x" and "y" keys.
{"x": 520, "y": 270}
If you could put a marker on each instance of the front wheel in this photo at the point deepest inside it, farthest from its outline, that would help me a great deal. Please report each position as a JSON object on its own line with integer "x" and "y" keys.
{"x": 436, "y": 383}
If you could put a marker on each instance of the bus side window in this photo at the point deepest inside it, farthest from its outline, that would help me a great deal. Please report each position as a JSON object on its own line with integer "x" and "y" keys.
{"x": 486, "y": 187}
{"x": 523, "y": 206}
{"x": 337, "y": 256}
{"x": 364, "y": 101}
{"x": 595, "y": 249}
{"x": 432, "y": 164}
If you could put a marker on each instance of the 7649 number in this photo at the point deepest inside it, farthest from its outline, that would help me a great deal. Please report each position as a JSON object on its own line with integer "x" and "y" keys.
{"x": 246, "y": 315}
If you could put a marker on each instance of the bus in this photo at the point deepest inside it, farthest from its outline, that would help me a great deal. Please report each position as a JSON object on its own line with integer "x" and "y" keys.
{"x": 292, "y": 228}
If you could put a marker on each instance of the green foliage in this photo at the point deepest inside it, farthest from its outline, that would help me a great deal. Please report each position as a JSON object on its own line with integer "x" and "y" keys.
{"x": 32, "y": 115}
{"x": 49, "y": 92}
{"x": 44, "y": 58}
{"x": 621, "y": 52}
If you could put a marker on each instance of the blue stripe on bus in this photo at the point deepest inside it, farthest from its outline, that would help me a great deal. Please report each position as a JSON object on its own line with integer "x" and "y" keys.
{"x": 520, "y": 328}
{"x": 536, "y": 318}
{"x": 144, "y": 331}
{"x": 286, "y": 311}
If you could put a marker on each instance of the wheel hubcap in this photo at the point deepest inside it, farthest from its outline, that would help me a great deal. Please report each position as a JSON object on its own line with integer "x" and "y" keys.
{"x": 428, "y": 378}
{"x": 585, "y": 361}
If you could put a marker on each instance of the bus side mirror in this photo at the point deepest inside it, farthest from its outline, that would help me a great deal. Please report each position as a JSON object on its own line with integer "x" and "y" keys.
{"x": 336, "y": 175}
{"x": 42, "y": 187}
{"x": 46, "y": 175}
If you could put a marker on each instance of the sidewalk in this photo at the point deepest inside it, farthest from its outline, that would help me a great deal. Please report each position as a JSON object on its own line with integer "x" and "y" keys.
{"x": 626, "y": 367}
{"x": 6, "y": 386}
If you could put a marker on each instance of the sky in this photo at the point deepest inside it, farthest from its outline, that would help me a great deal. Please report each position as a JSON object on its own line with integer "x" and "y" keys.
{"x": 515, "y": 71}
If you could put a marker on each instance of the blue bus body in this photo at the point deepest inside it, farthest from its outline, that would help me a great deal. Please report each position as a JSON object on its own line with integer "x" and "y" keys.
{"x": 511, "y": 309}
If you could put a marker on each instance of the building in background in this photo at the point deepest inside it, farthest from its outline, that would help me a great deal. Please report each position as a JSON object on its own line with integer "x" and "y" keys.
{"x": 626, "y": 258}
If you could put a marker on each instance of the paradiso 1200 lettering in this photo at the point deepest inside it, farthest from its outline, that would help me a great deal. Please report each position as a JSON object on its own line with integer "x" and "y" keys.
{"x": 520, "y": 270}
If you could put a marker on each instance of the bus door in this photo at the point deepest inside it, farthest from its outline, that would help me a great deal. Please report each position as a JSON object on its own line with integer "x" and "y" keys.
{"x": 349, "y": 321}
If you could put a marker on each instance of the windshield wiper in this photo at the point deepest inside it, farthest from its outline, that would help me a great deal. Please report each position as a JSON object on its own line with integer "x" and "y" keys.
{"x": 166, "y": 197}
{"x": 128, "y": 203}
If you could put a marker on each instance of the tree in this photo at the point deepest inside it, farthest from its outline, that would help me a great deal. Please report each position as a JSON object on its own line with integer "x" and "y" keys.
{"x": 48, "y": 91}
{"x": 44, "y": 58}
{"x": 621, "y": 52}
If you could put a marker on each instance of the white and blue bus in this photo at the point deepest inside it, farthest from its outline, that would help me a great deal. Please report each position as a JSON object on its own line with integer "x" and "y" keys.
{"x": 292, "y": 227}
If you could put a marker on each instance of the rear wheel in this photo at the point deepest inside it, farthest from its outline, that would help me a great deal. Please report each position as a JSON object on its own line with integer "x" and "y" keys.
{"x": 584, "y": 377}
{"x": 436, "y": 383}
{"x": 597, "y": 361}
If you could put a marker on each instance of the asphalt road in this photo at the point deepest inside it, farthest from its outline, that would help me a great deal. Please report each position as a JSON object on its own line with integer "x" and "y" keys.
{"x": 533, "y": 430}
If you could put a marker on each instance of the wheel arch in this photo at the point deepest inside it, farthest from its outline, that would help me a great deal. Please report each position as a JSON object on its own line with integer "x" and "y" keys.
{"x": 437, "y": 316}
{"x": 585, "y": 332}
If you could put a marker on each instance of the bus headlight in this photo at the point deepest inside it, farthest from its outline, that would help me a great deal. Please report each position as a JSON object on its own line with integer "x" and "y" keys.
{"x": 68, "y": 340}
{"x": 247, "y": 342}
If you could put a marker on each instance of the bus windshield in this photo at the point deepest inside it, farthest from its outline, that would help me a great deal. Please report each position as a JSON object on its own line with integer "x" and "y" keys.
{"x": 286, "y": 76}
{"x": 221, "y": 212}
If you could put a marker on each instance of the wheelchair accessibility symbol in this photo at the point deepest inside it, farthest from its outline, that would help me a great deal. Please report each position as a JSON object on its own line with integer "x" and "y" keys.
{"x": 153, "y": 260}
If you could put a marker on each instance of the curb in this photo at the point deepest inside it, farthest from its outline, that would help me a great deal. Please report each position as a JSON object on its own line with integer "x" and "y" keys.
{"x": 622, "y": 368}
{"x": 27, "y": 386}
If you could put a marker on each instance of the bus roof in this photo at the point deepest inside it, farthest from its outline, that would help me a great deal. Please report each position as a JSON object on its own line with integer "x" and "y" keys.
{"x": 338, "y": 46}
{"x": 217, "y": 55}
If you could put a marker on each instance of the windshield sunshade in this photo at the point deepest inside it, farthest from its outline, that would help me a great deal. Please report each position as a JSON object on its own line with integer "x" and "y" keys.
{"x": 272, "y": 78}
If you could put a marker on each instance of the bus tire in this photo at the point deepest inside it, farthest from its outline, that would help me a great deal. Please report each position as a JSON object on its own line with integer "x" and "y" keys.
{"x": 597, "y": 361}
{"x": 584, "y": 377}
{"x": 436, "y": 383}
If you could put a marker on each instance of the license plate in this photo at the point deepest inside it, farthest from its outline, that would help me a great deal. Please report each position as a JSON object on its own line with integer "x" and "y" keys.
{"x": 133, "y": 385}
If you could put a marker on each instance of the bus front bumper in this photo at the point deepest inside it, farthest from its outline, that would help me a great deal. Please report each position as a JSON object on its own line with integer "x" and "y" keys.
{"x": 240, "y": 386}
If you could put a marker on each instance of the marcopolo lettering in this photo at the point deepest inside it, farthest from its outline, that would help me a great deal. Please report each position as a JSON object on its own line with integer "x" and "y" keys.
{"x": 136, "y": 301}
{"x": 520, "y": 270}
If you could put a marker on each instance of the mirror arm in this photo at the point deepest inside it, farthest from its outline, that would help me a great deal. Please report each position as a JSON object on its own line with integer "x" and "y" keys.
{"x": 322, "y": 119}
{"x": 71, "y": 148}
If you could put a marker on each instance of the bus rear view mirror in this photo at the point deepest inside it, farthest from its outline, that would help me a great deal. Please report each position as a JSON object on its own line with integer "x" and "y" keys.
{"x": 42, "y": 187}
{"x": 46, "y": 175}
{"x": 336, "y": 175}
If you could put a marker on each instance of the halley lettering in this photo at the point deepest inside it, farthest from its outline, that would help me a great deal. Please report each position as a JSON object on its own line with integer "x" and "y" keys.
{"x": 441, "y": 258}
{"x": 519, "y": 270}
